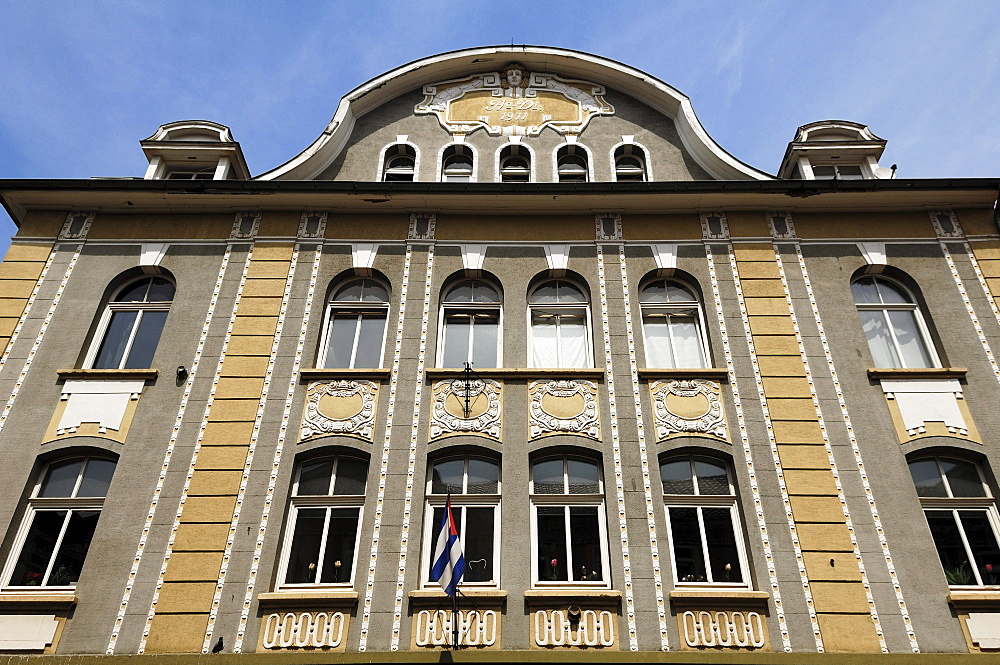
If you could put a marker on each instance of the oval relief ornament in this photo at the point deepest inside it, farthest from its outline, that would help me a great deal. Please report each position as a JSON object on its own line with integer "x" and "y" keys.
{"x": 689, "y": 406}
{"x": 466, "y": 408}
{"x": 340, "y": 407}
{"x": 563, "y": 407}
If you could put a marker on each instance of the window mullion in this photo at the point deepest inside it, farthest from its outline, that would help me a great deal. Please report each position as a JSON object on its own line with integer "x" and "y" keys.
{"x": 470, "y": 352}
{"x": 892, "y": 336}
{"x": 357, "y": 338}
{"x": 322, "y": 548}
{"x": 55, "y": 548}
{"x": 131, "y": 338}
{"x": 569, "y": 545}
{"x": 704, "y": 545}
{"x": 968, "y": 549}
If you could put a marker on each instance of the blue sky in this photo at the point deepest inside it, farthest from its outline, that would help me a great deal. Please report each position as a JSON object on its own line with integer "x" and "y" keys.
{"x": 81, "y": 83}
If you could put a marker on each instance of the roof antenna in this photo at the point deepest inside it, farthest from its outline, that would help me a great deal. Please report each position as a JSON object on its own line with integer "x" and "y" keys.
{"x": 893, "y": 171}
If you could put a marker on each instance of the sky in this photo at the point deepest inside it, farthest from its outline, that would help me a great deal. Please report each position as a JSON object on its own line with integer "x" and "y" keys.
{"x": 81, "y": 83}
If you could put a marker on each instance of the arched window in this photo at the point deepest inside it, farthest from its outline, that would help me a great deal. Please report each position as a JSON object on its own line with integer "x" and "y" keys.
{"x": 470, "y": 318}
{"x": 672, "y": 325}
{"x": 568, "y": 522}
{"x": 703, "y": 522}
{"x": 893, "y": 324}
{"x": 131, "y": 325}
{"x": 630, "y": 163}
{"x": 473, "y": 483}
{"x": 354, "y": 335}
{"x": 560, "y": 325}
{"x": 456, "y": 164}
{"x": 515, "y": 164}
{"x": 321, "y": 539}
{"x": 572, "y": 164}
{"x": 400, "y": 163}
{"x": 62, "y": 516}
{"x": 962, "y": 515}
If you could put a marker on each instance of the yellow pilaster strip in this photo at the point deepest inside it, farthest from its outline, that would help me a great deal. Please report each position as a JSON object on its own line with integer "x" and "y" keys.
{"x": 21, "y": 275}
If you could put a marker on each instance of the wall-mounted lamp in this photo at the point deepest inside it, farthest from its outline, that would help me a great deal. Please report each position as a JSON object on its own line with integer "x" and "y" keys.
{"x": 574, "y": 614}
{"x": 182, "y": 372}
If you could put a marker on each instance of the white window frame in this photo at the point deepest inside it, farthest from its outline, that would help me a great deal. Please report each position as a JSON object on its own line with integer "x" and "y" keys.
{"x": 635, "y": 147}
{"x": 498, "y": 176}
{"x": 111, "y": 307}
{"x": 567, "y": 501}
{"x": 885, "y": 308}
{"x": 296, "y": 503}
{"x": 473, "y": 176}
{"x": 571, "y": 148}
{"x": 953, "y": 505}
{"x": 461, "y": 502}
{"x": 698, "y": 502}
{"x": 37, "y": 504}
{"x": 468, "y": 307}
{"x": 666, "y": 307}
{"x": 588, "y": 332}
{"x": 380, "y": 171}
{"x": 360, "y": 307}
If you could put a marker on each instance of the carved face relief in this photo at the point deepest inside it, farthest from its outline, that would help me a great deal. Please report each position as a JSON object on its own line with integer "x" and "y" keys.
{"x": 563, "y": 407}
{"x": 687, "y": 407}
{"x": 514, "y": 75}
{"x": 340, "y": 407}
{"x": 466, "y": 409}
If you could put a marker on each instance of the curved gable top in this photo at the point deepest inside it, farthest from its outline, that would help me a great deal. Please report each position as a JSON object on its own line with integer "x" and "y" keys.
{"x": 453, "y": 65}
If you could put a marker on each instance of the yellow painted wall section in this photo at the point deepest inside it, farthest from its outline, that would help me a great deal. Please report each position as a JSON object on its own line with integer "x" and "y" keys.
{"x": 516, "y": 226}
{"x": 838, "y": 593}
{"x": 161, "y": 226}
{"x": 862, "y": 225}
{"x": 192, "y": 573}
{"x": 987, "y": 255}
{"x": 661, "y": 228}
{"x": 19, "y": 274}
{"x": 977, "y": 221}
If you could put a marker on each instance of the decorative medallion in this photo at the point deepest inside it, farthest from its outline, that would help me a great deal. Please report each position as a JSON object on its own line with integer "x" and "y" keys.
{"x": 689, "y": 406}
{"x": 514, "y": 102}
{"x": 563, "y": 407}
{"x": 462, "y": 407}
{"x": 340, "y": 407}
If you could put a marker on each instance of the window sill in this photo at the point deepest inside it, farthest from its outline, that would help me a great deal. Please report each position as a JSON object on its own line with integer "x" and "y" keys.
{"x": 377, "y": 373}
{"x": 518, "y": 373}
{"x": 297, "y": 598}
{"x": 474, "y": 593}
{"x": 572, "y": 593}
{"x": 918, "y": 373}
{"x": 121, "y": 374}
{"x": 14, "y": 599}
{"x": 723, "y": 597}
{"x": 715, "y": 373}
{"x": 987, "y": 598}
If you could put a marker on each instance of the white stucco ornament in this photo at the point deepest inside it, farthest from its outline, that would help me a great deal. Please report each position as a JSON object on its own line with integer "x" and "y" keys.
{"x": 563, "y": 407}
{"x": 449, "y": 415}
{"x": 340, "y": 407}
{"x": 689, "y": 406}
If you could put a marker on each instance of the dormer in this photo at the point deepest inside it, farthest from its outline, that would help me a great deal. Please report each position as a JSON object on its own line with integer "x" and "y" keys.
{"x": 834, "y": 150}
{"x": 194, "y": 150}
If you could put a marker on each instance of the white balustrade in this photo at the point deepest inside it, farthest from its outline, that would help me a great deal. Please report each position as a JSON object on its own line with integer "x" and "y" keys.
{"x": 303, "y": 629}
{"x": 723, "y": 629}
{"x": 554, "y": 629}
{"x": 476, "y": 628}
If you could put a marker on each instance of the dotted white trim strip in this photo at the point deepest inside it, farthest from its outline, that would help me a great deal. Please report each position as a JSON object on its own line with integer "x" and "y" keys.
{"x": 397, "y": 615}
{"x": 968, "y": 305}
{"x": 779, "y": 609}
{"x": 127, "y": 596}
{"x": 829, "y": 454}
{"x": 366, "y": 609}
{"x": 27, "y": 307}
{"x": 904, "y": 612}
{"x": 982, "y": 282}
{"x": 617, "y": 454}
{"x": 644, "y": 457}
{"x": 38, "y": 338}
{"x": 194, "y": 456}
{"x": 241, "y": 496}
{"x": 279, "y": 448}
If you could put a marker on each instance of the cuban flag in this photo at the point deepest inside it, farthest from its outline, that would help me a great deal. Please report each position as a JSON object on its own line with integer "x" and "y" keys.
{"x": 449, "y": 561}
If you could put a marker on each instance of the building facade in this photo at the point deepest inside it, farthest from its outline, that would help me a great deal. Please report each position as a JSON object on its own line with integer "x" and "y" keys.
{"x": 677, "y": 403}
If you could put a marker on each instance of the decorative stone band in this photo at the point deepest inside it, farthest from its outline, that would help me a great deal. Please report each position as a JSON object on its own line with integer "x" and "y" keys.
{"x": 723, "y": 629}
{"x": 480, "y": 396}
{"x": 922, "y": 402}
{"x": 302, "y": 630}
{"x": 563, "y": 407}
{"x": 346, "y": 406}
{"x": 476, "y": 628}
{"x": 687, "y": 406}
{"x": 556, "y": 628}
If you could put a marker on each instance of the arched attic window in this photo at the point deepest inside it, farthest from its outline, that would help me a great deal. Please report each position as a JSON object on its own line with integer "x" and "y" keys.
{"x": 470, "y": 320}
{"x": 893, "y": 324}
{"x": 673, "y": 326}
{"x": 354, "y": 330}
{"x": 630, "y": 163}
{"x": 559, "y": 314}
{"x": 515, "y": 164}
{"x": 131, "y": 325}
{"x": 456, "y": 164}
{"x": 572, "y": 164}
{"x": 400, "y": 163}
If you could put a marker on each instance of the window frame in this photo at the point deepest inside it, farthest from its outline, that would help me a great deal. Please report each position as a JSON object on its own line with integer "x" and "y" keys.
{"x": 585, "y": 307}
{"x": 329, "y": 501}
{"x": 569, "y": 152}
{"x": 514, "y": 150}
{"x": 461, "y": 502}
{"x": 706, "y": 355}
{"x": 391, "y": 152}
{"x": 111, "y": 307}
{"x": 453, "y": 150}
{"x": 699, "y": 502}
{"x": 37, "y": 504}
{"x": 568, "y": 501}
{"x": 912, "y": 306}
{"x": 446, "y": 306}
{"x": 953, "y": 505}
{"x": 361, "y": 307}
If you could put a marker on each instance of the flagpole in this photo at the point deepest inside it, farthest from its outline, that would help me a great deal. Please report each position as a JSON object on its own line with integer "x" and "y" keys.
{"x": 454, "y": 621}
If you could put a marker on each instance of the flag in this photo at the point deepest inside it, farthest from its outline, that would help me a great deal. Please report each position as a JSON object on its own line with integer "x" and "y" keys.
{"x": 449, "y": 562}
